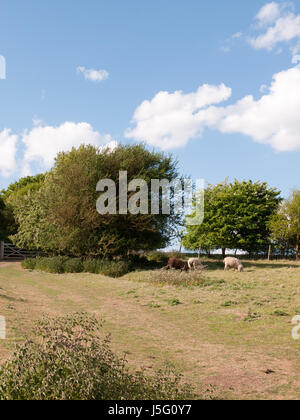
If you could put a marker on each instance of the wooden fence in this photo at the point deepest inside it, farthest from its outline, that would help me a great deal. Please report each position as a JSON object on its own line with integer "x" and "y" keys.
{"x": 9, "y": 252}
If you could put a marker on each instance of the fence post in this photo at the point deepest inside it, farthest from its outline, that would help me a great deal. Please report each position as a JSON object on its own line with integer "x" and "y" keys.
{"x": 1, "y": 250}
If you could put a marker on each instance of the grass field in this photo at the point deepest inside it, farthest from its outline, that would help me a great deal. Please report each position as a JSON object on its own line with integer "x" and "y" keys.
{"x": 232, "y": 332}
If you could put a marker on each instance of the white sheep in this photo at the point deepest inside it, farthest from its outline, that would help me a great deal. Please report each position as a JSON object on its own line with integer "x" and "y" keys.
{"x": 195, "y": 263}
{"x": 233, "y": 263}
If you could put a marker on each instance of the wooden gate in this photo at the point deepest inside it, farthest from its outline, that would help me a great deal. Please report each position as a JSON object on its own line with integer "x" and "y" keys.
{"x": 9, "y": 252}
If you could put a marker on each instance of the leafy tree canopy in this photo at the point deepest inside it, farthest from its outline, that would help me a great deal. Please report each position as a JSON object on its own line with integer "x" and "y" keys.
{"x": 285, "y": 224}
{"x": 61, "y": 216}
{"x": 236, "y": 217}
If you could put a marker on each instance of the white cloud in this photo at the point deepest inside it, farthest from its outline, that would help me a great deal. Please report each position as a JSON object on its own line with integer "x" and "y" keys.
{"x": 268, "y": 13}
{"x": 171, "y": 120}
{"x": 281, "y": 25}
{"x": 8, "y": 150}
{"x": 273, "y": 119}
{"x": 43, "y": 143}
{"x": 92, "y": 74}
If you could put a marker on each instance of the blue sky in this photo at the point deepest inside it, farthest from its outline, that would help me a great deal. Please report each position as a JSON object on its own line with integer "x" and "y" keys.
{"x": 80, "y": 71}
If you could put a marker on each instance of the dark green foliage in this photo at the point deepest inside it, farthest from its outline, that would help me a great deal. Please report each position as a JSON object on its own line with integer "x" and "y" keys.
{"x": 5, "y": 221}
{"x": 55, "y": 265}
{"x": 61, "y": 217}
{"x": 115, "y": 268}
{"x": 59, "y": 265}
{"x": 92, "y": 265}
{"x": 73, "y": 265}
{"x": 69, "y": 360}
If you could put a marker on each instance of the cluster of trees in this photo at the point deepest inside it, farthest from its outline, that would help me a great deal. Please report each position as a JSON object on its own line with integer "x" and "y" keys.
{"x": 56, "y": 212}
{"x": 236, "y": 217}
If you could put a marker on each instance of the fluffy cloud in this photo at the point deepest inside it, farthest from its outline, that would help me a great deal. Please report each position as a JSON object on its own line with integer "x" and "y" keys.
{"x": 8, "y": 149}
{"x": 274, "y": 118}
{"x": 280, "y": 25}
{"x": 43, "y": 143}
{"x": 171, "y": 120}
{"x": 93, "y": 75}
{"x": 38, "y": 147}
{"x": 268, "y": 13}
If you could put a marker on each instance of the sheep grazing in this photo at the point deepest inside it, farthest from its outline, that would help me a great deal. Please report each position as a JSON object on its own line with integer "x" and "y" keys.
{"x": 177, "y": 264}
{"x": 233, "y": 263}
{"x": 195, "y": 263}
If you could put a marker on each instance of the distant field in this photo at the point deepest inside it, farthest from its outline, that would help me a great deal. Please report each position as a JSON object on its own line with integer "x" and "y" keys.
{"x": 233, "y": 331}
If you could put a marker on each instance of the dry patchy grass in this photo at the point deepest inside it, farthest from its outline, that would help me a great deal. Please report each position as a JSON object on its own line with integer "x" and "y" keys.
{"x": 228, "y": 329}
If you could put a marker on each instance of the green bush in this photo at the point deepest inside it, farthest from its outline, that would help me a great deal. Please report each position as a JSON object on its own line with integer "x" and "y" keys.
{"x": 92, "y": 265}
{"x": 29, "y": 263}
{"x": 69, "y": 360}
{"x": 61, "y": 265}
{"x": 54, "y": 265}
{"x": 115, "y": 268}
{"x": 73, "y": 265}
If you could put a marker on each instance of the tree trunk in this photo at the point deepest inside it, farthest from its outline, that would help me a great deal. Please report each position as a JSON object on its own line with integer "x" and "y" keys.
{"x": 199, "y": 252}
{"x": 270, "y": 253}
{"x": 224, "y": 253}
{"x": 297, "y": 248}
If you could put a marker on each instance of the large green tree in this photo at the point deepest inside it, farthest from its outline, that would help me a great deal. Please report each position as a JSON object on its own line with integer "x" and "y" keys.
{"x": 13, "y": 197}
{"x": 61, "y": 216}
{"x": 236, "y": 217}
{"x": 285, "y": 225}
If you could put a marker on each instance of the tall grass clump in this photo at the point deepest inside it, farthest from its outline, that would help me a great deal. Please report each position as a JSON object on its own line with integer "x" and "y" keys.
{"x": 69, "y": 360}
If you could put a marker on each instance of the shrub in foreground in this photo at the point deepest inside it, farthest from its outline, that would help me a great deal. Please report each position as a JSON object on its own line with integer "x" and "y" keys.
{"x": 68, "y": 360}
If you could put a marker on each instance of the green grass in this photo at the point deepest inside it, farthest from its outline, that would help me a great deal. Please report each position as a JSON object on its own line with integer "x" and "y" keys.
{"x": 224, "y": 329}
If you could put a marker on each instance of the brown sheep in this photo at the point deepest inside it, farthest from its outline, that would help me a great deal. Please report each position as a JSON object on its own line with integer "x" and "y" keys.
{"x": 177, "y": 264}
